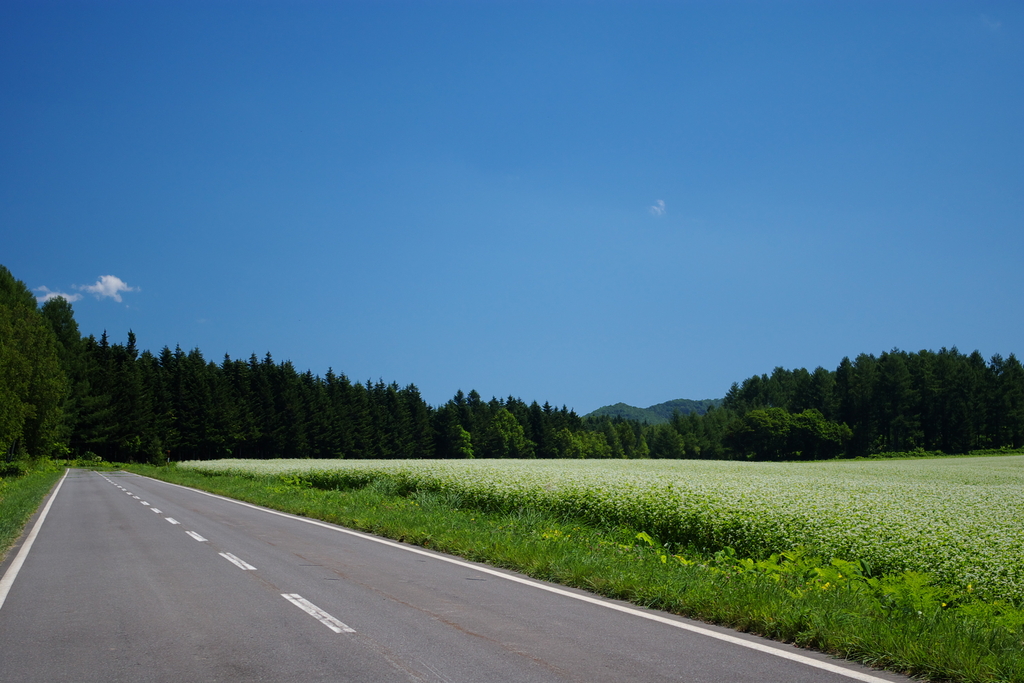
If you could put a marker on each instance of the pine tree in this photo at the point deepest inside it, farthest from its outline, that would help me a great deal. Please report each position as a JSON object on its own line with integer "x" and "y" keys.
{"x": 33, "y": 381}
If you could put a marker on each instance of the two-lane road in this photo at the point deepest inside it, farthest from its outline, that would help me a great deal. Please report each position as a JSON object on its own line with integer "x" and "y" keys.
{"x": 131, "y": 579}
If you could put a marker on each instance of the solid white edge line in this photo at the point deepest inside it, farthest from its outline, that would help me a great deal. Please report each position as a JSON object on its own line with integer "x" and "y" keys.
{"x": 776, "y": 652}
{"x": 238, "y": 562}
{"x": 12, "y": 571}
{"x": 323, "y": 617}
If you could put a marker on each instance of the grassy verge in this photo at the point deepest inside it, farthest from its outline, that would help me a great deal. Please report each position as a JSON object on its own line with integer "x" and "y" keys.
{"x": 19, "y": 498}
{"x": 898, "y": 623}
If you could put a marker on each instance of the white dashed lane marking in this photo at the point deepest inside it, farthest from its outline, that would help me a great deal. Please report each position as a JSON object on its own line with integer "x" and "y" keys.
{"x": 241, "y": 564}
{"x": 196, "y": 536}
{"x": 320, "y": 615}
{"x": 172, "y": 520}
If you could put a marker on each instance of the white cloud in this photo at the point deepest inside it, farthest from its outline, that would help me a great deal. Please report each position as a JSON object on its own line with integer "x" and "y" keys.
{"x": 107, "y": 285}
{"x": 658, "y": 209}
{"x": 47, "y": 295}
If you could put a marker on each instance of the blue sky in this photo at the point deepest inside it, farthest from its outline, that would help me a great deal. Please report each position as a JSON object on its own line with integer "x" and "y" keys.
{"x": 576, "y": 202}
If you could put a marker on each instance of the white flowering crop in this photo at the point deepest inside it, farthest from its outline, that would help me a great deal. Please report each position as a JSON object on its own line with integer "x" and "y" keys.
{"x": 960, "y": 519}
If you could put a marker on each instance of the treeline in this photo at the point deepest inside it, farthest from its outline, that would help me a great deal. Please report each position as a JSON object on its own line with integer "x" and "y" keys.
{"x": 179, "y": 405}
{"x": 62, "y": 394}
{"x": 65, "y": 395}
{"x": 899, "y": 401}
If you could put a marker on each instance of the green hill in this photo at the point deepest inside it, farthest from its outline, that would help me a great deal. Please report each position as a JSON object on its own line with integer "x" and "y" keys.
{"x": 658, "y": 413}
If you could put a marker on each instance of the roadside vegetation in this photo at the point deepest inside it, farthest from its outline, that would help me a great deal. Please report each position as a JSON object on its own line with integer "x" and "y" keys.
{"x": 905, "y": 621}
{"x": 22, "y": 488}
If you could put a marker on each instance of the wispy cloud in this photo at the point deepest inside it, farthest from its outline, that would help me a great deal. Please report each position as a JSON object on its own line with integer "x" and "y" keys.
{"x": 658, "y": 208}
{"x": 107, "y": 286}
{"x": 47, "y": 294}
{"x": 990, "y": 23}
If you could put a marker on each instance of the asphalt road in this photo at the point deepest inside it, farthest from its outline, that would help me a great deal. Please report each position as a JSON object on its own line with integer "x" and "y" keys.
{"x": 131, "y": 579}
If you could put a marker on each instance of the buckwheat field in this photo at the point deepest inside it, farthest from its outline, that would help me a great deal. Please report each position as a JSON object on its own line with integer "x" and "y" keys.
{"x": 959, "y": 519}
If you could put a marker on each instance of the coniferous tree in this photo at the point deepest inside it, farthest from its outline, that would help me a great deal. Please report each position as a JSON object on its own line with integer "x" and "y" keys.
{"x": 666, "y": 442}
{"x": 894, "y": 403}
{"x": 33, "y": 380}
{"x": 420, "y": 422}
{"x": 59, "y": 313}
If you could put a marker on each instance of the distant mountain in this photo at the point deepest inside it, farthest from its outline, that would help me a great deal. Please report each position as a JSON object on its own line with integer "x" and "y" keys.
{"x": 658, "y": 413}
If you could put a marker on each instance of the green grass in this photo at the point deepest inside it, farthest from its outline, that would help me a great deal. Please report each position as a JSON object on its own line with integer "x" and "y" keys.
{"x": 19, "y": 498}
{"x": 897, "y": 622}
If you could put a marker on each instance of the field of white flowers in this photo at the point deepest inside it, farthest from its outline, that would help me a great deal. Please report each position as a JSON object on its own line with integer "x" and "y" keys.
{"x": 960, "y": 519}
